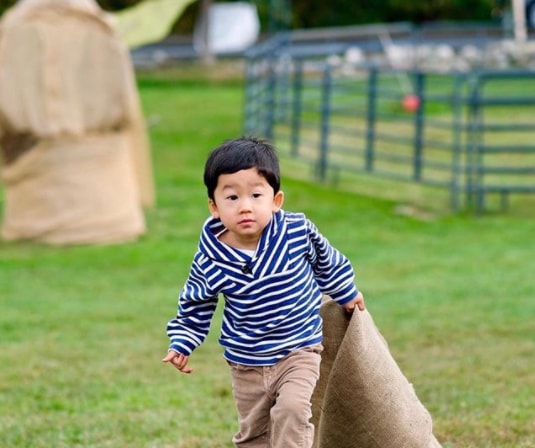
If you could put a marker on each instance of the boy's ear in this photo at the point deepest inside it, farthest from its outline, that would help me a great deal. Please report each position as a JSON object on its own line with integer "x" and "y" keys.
{"x": 278, "y": 200}
{"x": 213, "y": 208}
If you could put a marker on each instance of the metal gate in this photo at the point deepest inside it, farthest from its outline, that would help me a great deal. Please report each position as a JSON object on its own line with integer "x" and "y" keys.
{"x": 471, "y": 133}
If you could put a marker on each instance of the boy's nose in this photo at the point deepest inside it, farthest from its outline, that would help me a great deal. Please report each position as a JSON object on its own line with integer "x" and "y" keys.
{"x": 245, "y": 205}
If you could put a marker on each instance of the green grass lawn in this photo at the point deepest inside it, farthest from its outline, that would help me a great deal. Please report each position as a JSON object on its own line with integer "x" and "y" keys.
{"x": 82, "y": 329}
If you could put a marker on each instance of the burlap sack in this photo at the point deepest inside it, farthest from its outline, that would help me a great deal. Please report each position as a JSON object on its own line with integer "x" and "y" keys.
{"x": 78, "y": 193}
{"x": 362, "y": 399}
{"x": 75, "y": 155}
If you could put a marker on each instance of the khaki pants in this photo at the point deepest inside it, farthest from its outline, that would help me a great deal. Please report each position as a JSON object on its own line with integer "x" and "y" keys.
{"x": 273, "y": 402}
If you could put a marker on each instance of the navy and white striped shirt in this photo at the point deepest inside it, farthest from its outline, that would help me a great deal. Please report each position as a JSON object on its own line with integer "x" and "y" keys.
{"x": 272, "y": 298}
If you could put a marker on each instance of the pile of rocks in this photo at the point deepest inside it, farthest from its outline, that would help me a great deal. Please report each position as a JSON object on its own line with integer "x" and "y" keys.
{"x": 443, "y": 57}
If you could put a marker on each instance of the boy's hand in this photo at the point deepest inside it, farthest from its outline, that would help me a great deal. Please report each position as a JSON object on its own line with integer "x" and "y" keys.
{"x": 357, "y": 302}
{"x": 178, "y": 360}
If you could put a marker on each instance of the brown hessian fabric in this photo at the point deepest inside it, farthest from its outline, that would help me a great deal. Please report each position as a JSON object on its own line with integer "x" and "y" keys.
{"x": 75, "y": 157}
{"x": 362, "y": 399}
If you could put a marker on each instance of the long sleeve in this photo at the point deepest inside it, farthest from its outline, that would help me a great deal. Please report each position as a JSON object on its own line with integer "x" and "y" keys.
{"x": 197, "y": 303}
{"x": 332, "y": 270}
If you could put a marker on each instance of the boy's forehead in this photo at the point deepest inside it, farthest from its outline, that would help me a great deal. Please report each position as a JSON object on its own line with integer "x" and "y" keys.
{"x": 248, "y": 177}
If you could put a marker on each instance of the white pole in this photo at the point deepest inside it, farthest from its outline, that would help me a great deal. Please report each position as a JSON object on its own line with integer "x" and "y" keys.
{"x": 207, "y": 57}
{"x": 519, "y": 20}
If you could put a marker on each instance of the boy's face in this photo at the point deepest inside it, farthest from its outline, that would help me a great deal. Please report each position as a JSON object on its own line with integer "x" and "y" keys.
{"x": 245, "y": 202}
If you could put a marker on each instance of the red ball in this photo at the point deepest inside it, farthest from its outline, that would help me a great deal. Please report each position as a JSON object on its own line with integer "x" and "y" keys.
{"x": 411, "y": 103}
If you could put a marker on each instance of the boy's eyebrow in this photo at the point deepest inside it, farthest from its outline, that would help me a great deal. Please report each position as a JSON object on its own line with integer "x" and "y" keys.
{"x": 256, "y": 184}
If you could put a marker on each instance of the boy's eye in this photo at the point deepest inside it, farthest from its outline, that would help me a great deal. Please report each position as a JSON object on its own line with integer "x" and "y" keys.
{"x": 232, "y": 197}
{"x": 256, "y": 195}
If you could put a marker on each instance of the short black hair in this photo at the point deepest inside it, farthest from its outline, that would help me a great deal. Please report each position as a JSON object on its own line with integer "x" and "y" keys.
{"x": 241, "y": 154}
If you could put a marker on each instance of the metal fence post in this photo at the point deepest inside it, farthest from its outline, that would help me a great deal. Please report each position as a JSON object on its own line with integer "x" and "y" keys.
{"x": 473, "y": 187}
{"x": 250, "y": 117}
{"x": 370, "y": 118}
{"x": 296, "y": 107}
{"x": 418, "y": 127}
{"x": 457, "y": 149}
{"x": 325, "y": 111}
{"x": 270, "y": 96}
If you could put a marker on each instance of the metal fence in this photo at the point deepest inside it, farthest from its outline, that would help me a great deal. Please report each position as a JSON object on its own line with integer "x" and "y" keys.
{"x": 472, "y": 133}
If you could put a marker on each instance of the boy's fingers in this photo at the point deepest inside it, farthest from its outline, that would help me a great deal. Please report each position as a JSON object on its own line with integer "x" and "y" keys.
{"x": 360, "y": 302}
{"x": 179, "y": 361}
{"x": 169, "y": 357}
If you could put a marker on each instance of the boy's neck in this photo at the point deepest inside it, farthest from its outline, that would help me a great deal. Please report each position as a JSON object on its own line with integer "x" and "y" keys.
{"x": 229, "y": 239}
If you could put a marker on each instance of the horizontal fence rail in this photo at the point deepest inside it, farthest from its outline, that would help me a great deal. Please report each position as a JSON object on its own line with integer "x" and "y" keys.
{"x": 471, "y": 133}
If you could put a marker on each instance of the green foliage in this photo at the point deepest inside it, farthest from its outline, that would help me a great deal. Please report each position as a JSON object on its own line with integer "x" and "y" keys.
{"x": 6, "y": 4}
{"x": 83, "y": 328}
{"x": 431, "y": 10}
{"x": 319, "y": 13}
{"x": 116, "y": 5}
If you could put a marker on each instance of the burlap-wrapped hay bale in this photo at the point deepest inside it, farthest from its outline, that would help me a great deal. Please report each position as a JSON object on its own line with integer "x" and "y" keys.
{"x": 75, "y": 159}
{"x": 362, "y": 399}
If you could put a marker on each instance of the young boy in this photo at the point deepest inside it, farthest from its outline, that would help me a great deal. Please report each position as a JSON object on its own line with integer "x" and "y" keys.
{"x": 272, "y": 268}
